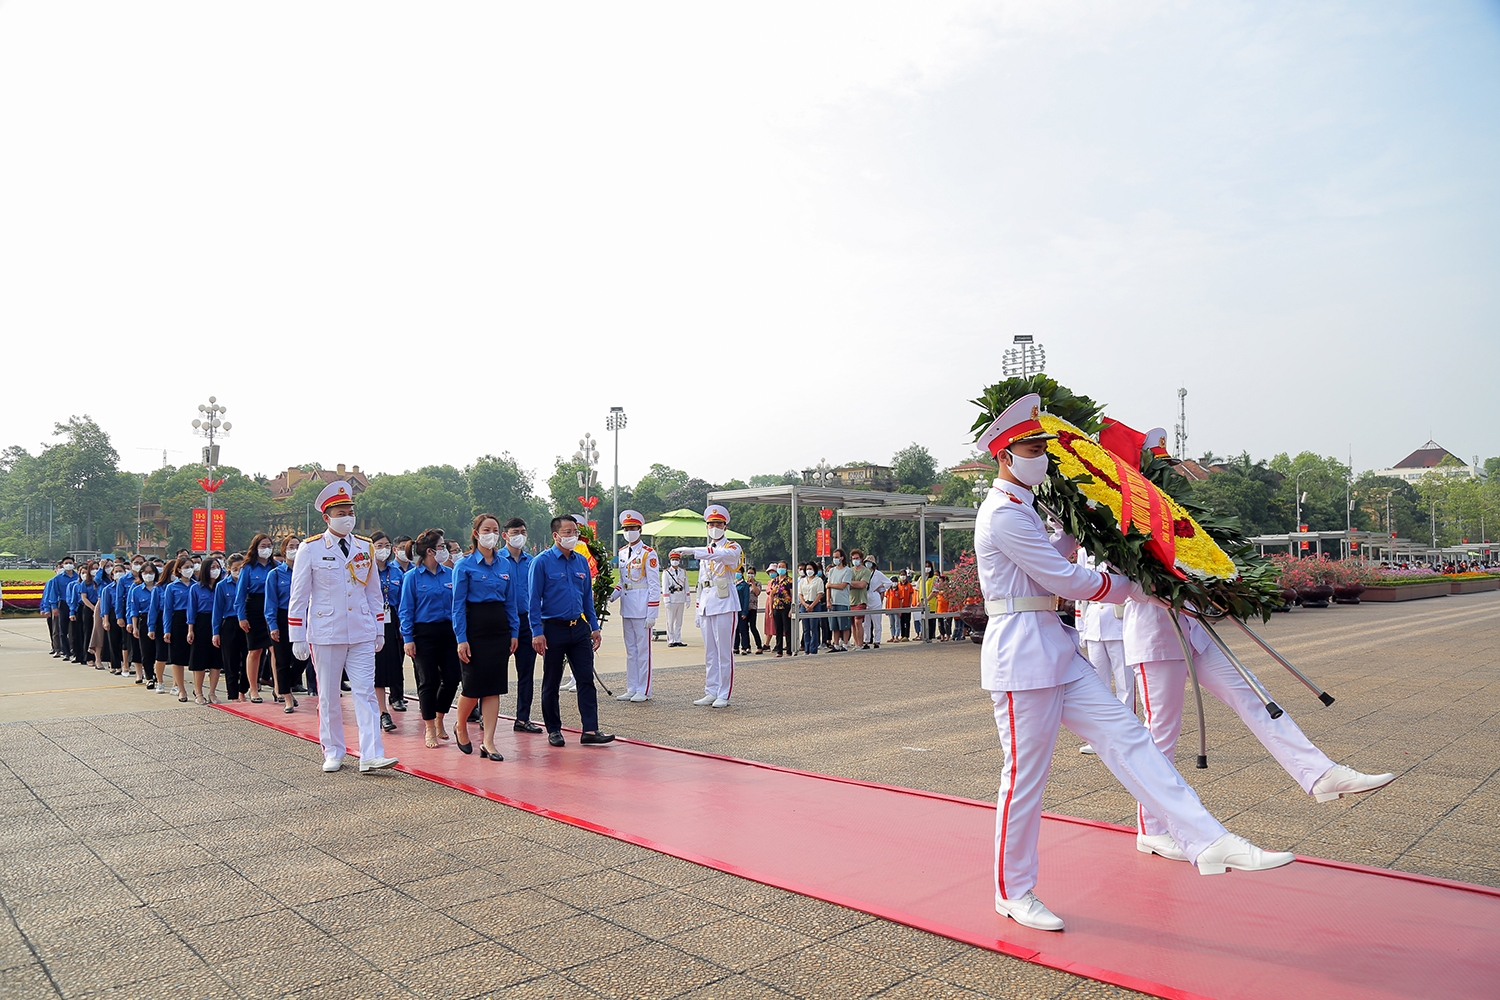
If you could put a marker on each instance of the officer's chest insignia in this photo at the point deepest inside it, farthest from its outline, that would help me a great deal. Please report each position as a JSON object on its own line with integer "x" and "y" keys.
{"x": 329, "y": 559}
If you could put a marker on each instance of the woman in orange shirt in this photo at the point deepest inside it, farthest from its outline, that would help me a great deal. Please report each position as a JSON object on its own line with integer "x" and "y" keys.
{"x": 902, "y": 596}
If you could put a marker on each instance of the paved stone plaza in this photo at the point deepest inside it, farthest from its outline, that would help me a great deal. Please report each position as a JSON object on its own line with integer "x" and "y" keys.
{"x": 152, "y": 849}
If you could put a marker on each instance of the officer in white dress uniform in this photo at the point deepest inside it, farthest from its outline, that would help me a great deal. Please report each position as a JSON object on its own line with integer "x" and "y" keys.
{"x": 1101, "y": 630}
{"x": 1037, "y": 679}
{"x": 639, "y": 594}
{"x": 674, "y": 587}
{"x": 337, "y": 617}
{"x": 718, "y": 605}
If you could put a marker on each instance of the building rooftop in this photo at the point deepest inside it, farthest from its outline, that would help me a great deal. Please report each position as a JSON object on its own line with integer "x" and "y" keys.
{"x": 1429, "y": 456}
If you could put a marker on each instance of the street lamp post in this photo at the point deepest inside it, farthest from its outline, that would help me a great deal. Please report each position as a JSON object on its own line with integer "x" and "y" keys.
{"x": 210, "y": 426}
{"x": 588, "y": 456}
{"x": 615, "y": 422}
{"x": 1025, "y": 359}
{"x": 1300, "y": 495}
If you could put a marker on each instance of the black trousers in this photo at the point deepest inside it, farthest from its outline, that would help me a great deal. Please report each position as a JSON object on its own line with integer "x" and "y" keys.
{"x": 525, "y": 673}
{"x": 232, "y": 650}
{"x": 575, "y": 644}
{"x": 78, "y": 635}
{"x": 289, "y": 669}
{"x": 52, "y": 631}
{"x": 145, "y": 650}
{"x": 782, "y": 618}
{"x": 437, "y": 666}
{"x": 115, "y": 637}
{"x": 742, "y": 632}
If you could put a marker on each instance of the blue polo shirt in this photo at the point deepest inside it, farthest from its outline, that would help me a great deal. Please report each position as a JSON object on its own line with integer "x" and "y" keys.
{"x": 252, "y": 581}
{"x": 278, "y": 587}
{"x": 425, "y": 597}
{"x": 200, "y": 601}
{"x": 140, "y": 599}
{"x": 390, "y": 588}
{"x": 520, "y": 578}
{"x": 225, "y": 595}
{"x": 561, "y": 586}
{"x": 481, "y": 582}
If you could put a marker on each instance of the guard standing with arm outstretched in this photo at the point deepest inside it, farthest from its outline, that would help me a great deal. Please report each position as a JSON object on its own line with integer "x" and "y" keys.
{"x": 718, "y": 604}
{"x": 336, "y": 618}
{"x": 639, "y": 594}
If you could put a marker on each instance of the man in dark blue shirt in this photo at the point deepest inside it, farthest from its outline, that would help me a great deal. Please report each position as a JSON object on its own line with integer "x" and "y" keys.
{"x": 563, "y": 625}
{"x": 515, "y": 554}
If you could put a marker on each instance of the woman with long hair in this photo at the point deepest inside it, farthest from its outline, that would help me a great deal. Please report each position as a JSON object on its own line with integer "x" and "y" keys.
{"x": 250, "y": 608}
{"x": 486, "y": 624}
{"x": 204, "y": 657}
{"x": 427, "y": 632}
{"x": 140, "y": 608}
{"x": 278, "y": 603}
{"x": 174, "y": 617}
{"x": 228, "y": 639}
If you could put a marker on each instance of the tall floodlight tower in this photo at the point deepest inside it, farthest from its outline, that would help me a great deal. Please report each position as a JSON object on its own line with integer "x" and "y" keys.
{"x": 1024, "y": 359}
{"x": 1181, "y": 428}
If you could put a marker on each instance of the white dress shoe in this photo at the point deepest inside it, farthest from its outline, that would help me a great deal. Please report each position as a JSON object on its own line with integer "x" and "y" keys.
{"x": 626, "y": 696}
{"x": 376, "y": 763}
{"x": 707, "y": 699}
{"x": 640, "y": 696}
{"x": 1089, "y": 750}
{"x": 568, "y": 685}
{"x": 1230, "y": 851}
{"x": 1339, "y": 780}
{"x": 331, "y": 764}
{"x": 721, "y": 703}
{"x": 1028, "y": 911}
{"x": 1162, "y": 844}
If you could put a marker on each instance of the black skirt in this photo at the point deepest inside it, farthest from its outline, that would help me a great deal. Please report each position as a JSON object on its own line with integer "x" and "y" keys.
{"x": 391, "y": 658}
{"x": 179, "y": 652}
{"x": 486, "y": 673}
{"x": 204, "y": 655}
{"x": 259, "y": 637}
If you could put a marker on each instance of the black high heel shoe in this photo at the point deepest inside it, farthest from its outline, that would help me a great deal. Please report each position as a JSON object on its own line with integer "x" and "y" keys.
{"x": 496, "y": 756}
{"x": 465, "y": 747}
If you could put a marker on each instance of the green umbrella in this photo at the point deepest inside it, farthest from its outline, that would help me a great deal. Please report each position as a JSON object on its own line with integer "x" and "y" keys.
{"x": 683, "y": 523}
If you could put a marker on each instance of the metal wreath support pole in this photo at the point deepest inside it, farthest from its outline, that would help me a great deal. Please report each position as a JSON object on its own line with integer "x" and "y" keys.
{"x": 1272, "y": 709}
{"x": 1187, "y": 654}
{"x": 795, "y": 617}
{"x": 1323, "y": 696}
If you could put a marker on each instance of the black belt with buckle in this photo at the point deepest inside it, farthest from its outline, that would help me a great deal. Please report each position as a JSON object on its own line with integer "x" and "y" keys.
{"x": 565, "y": 622}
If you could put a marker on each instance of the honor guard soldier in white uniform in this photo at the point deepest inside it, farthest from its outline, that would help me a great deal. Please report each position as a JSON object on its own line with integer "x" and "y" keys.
{"x": 1037, "y": 679}
{"x": 1154, "y": 652}
{"x": 639, "y": 594}
{"x": 337, "y": 618}
{"x": 674, "y": 589}
{"x": 1101, "y": 631}
{"x": 718, "y": 604}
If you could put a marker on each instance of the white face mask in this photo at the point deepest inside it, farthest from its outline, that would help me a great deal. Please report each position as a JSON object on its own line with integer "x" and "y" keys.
{"x": 291, "y": 555}
{"x": 120, "y": 576}
{"x": 341, "y": 525}
{"x": 1028, "y": 471}
{"x": 838, "y": 560}
{"x": 567, "y": 541}
{"x": 213, "y": 574}
{"x": 402, "y": 556}
{"x": 676, "y": 562}
{"x": 517, "y": 541}
{"x": 442, "y": 556}
{"x": 264, "y": 551}
{"x": 489, "y": 539}
{"x": 632, "y": 536}
{"x": 67, "y": 567}
{"x": 807, "y": 572}
{"x": 715, "y": 532}
{"x": 148, "y": 577}
{"x": 136, "y": 566}
{"x": 383, "y": 554}
{"x": 186, "y": 572}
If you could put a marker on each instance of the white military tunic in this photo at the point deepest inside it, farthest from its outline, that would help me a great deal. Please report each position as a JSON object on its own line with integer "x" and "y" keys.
{"x": 1155, "y": 655}
{"x": 639, "y": 593}
{"x": 718, "y": 611}
{"x": 1101, "y": 629}
{"x": 674, "y": 587}
{"x": 1037, "y": 679}
{"x": 337, "y": 608}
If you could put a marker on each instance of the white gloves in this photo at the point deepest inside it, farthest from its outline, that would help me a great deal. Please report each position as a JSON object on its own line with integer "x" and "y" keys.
{"x": 1143, "y": 596}
{"x": 615, "y": 595}
{"x": 379, "y": 641}
{"x": 302, "y": 651}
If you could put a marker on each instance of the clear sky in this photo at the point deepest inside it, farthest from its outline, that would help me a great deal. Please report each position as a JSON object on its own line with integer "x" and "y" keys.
{"x": 399, "y": 234}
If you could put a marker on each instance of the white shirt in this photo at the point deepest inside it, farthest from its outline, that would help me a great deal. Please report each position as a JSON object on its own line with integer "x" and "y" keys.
{"x": 1016, "y": 558}
{"x": 1149, "y": 635}
{"x": 879, "y": 584}
{"x": 1097, "y": 623}
{"x": 675, "y": 577}
{"x": 639, "y": 590}
{"x": 336, "y": 599}
{"x": 810, "y": 589}
{"x": 716, "y": 566}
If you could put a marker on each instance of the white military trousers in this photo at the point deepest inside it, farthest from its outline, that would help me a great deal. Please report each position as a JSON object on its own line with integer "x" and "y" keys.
{"x": 358, "y": 661}
{"x": 718, "y": 653}
{"x": 872, "y": 629}
{"x": 1028, "y": 723}
{"x": 674, "y": 622}
{"x": 1162, "y": 694}
{"x": 637, "y": 655}
{"x": 1108, "y": 658}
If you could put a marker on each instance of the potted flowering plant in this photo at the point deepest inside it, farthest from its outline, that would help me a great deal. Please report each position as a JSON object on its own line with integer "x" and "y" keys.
{"x": 963, "y": 590}
{"x": 1292, "y": 576}
{"x": 1319, "y": 593}
{"x": 1349, "y": 580}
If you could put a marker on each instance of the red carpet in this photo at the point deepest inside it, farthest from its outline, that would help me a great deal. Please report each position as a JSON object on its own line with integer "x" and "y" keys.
{"x": 1315, "y": 929}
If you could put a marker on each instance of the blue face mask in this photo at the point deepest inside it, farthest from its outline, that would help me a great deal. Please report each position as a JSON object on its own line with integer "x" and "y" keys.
{"x": 781, "y": 571}
{"x": 739, "y": 576}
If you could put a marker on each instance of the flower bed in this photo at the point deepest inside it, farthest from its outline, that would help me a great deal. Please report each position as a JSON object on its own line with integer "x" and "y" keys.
{"x": 1473, "y": 583}
{"x": 1411, "y": 590}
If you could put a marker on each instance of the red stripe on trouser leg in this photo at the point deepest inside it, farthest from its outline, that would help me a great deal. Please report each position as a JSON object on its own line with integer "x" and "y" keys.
{"x": 1140, "y": 810}
{"x": 731, "y": 675}
{"x": 1010, "y": 707}
{"x": 648, "y": 661}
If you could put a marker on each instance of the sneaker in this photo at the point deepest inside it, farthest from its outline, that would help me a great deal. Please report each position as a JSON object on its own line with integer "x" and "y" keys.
{"x": 568, "y": 685}
{"x": 721, "y": 703}
{"x": 707, "y": 699}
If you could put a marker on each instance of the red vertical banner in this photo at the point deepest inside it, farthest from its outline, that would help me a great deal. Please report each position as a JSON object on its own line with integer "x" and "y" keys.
{"x": 825, "y": 542}
{"x": 1303, "y": 527}
{"x": 216, "y": 530}
{"x": 199, "y": 540}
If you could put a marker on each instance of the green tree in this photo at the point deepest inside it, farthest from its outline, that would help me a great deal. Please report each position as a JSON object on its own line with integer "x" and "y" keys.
{"x": 914, "y": 466}
{"x": 246, "y": 503}
{"x": 409, "y": 503}
{"x": 501, "y": 487}
{"x": 1323, "y": 479}
{"x": 81, "y": 476}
